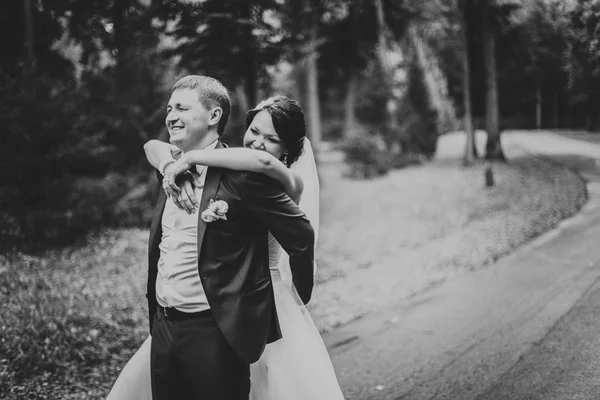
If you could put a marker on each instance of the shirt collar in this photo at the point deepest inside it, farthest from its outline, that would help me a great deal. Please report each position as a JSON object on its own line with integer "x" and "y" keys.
{"x": 212, "y": 146}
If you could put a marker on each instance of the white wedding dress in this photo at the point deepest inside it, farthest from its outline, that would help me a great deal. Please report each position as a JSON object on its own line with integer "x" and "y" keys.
{"x": 297, "y": 366}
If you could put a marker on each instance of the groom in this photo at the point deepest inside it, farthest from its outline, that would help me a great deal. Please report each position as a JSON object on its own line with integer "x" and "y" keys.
{"x": 209, "y": 292}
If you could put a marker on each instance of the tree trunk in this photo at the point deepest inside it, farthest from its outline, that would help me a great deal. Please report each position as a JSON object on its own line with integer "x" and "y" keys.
{"x": 381, "y": 41}
{"x": 391, "y": 105}
{"x": 312, "y": 85}
{"x": 556, "y": 106}
{"x": 30, "y": 65}
{"x": 470, "y": 147}
{"x": 434, "y": 78}
{"x": 590, "y": 125}
{"x": 240, "y": 94}
{"x": 538, "y": 106}
{"x": 474, "y": 143}
{"x": 493, "y": 147}
{"x": 250, "y": 85}
{"x": 248, "y": 60}
{"x": 350, "y": 127}
{"x": 121, "y": 44}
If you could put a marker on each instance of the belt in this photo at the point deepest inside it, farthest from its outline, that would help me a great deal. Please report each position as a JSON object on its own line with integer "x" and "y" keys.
{"x": 173, "y": 314}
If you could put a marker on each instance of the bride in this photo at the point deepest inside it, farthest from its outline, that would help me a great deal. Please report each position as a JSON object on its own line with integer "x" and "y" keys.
{"x": 296, "y": 367}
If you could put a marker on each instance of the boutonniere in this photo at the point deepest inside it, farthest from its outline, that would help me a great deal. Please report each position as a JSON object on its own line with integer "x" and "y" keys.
{"x": 216, "y": 210}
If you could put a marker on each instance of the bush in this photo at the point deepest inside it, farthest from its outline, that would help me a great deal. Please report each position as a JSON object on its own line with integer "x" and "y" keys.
{"x": 367, "y": 156}
{"x": 417, "y": 119}
{"x": 73, "y": 206}
{"x": 417, "y": 128}
{"x": 71, "y": 159}
{"x": 407, "y": 160}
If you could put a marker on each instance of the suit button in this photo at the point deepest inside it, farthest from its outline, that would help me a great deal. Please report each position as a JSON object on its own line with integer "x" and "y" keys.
{"x": 204, "y": 277}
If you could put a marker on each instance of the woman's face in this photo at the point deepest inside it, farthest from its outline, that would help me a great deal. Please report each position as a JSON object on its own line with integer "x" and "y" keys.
{"x": 261, "y": 135}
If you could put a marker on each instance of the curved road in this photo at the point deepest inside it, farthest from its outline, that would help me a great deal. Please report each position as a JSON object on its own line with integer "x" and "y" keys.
{"x": 526, "y": 327}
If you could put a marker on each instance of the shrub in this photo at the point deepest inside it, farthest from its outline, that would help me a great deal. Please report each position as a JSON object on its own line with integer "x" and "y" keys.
{"x": 73, "y": 206}
{"x": 407, "y": 160}
{"x": 367, "y": 156}
{"x": 417, "y": 128}
{"x": 417, "y": 118}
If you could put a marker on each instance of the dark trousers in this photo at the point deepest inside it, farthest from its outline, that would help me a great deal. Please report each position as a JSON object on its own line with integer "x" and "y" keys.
{"x": 191, "y": 360}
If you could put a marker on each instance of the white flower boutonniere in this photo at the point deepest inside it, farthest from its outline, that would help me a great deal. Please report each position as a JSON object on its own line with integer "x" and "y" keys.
{"x": 216, "y": 210}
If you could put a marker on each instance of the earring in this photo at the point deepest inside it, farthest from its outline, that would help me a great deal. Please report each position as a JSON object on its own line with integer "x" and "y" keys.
{"x": 284, "y": 158}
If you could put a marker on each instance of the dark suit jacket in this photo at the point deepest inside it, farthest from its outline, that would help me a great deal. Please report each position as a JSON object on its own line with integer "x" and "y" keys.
{"x": 233, "y": 259}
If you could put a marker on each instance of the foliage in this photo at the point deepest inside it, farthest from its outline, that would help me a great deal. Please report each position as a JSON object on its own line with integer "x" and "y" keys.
{"x": 544, "y": 29}
{"x": 62, "y": 167}
{"x": 418, "y": 119}
{"x": 78, "y": 318}
{"x": 59, "y": 211}
{"x": 350, "y": 33}
{"x": 71, "y": 146}
{"x": 582, "y": 57}
{"x": 372, "y": 96}
{"x": 530, "y": 59}
{"x": 231, "y": 40}
{"x": 417, "y": 128}
{"x": 367, "y": 156}
{"x": 79, "y": 107}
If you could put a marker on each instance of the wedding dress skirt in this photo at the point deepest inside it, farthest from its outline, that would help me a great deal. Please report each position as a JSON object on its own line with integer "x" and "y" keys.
{"x": 296, "y": 367}
{"x": 133, "y": 382}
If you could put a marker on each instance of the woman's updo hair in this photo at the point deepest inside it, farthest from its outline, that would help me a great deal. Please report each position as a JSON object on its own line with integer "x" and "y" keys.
{"x": 288, "y": 121}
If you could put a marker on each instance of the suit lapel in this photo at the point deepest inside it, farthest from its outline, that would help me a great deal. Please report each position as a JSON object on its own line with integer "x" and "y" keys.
{"x": 155, "y": 228}
{"x": 211, "y": 186}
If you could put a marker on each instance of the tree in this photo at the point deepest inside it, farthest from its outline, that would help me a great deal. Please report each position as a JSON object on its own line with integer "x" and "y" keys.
{"x": 311, "y": 23}
{"x": 541, "y": 32}
{"x": 385, "y": 67}
{"x": 583, "y": 52}
{"x": 493, "y": 147}
{"x": 486, "y": 21}
{"x": 30, "y": 70}
{"x": 345, "y": 52}
{"x": 122, "y": 72}
{"x": 354, "y": 37}
{"x": 470, "y": 146}
{"x": 234, "y": 41}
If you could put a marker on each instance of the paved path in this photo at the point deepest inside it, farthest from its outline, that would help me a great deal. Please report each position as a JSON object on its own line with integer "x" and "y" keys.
{"x": 487, "y": 334}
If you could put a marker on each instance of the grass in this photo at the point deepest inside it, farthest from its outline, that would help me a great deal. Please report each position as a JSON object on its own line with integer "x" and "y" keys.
{"x": 389, "y": 239}
{"x": 73, "y": 317}
{"x": 585, "y": 136}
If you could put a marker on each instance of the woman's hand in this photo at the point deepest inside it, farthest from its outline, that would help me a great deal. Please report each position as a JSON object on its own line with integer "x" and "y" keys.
{"x": 186, "y": 198}
{"x": 173, "y": 171}
{"x": 183, "y": 194}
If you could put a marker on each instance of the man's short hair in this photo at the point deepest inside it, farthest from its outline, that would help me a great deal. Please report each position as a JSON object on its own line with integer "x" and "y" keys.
{"x": 211, "y": 93}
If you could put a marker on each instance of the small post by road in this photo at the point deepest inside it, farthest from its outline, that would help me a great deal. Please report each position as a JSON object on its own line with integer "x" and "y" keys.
{"x": 489, "y": 174}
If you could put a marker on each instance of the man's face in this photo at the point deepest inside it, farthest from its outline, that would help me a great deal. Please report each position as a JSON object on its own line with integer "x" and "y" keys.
{"x": 187, "y": 119}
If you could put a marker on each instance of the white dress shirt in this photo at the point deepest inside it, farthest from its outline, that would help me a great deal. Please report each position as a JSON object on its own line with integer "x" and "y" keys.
{"x": 178, "y": 284}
